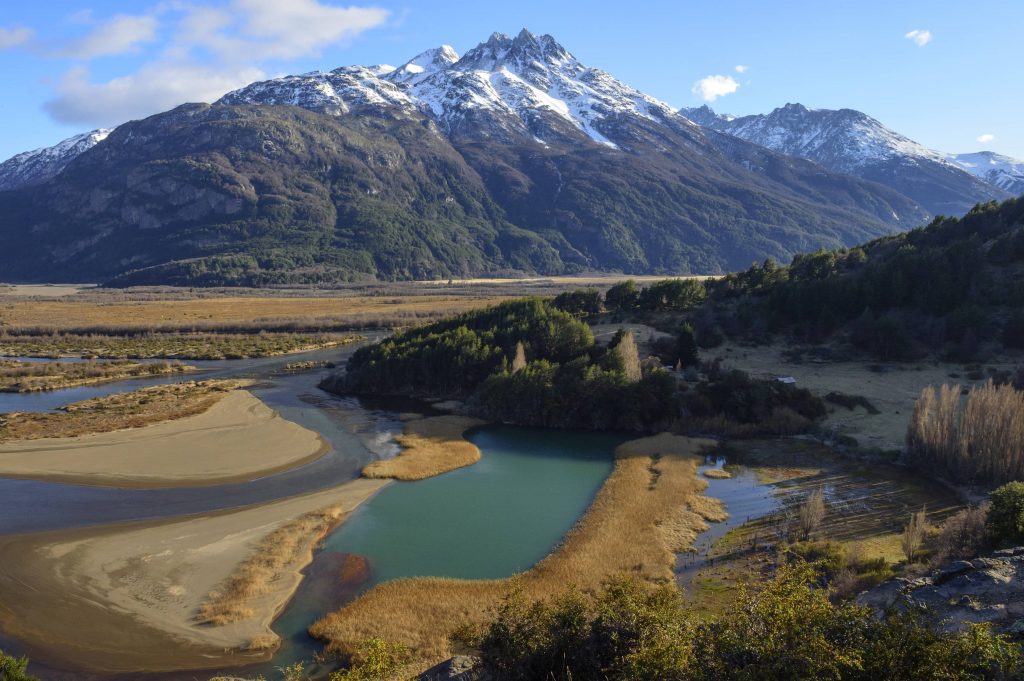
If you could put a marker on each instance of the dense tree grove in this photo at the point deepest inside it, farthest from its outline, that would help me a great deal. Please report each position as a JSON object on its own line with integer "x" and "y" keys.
{"x": 533, "y": 362}
{"x": 789, "y": 631}
{"x": 950, "y": 286}
{"x": 979, "y": 438}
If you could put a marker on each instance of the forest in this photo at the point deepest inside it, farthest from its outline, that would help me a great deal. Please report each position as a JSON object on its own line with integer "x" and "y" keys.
{"x": 951, "y": 289}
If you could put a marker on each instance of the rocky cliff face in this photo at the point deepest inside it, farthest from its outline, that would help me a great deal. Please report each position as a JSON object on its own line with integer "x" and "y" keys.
{"x": 987, "y": 590}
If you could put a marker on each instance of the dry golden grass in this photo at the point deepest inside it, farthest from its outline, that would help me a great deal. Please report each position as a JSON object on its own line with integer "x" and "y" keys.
{"x": 276, "y": 554}
{"x": 184, "y": 345}
{"x": 431, "y": 447}
{"x": 17, "y": 376}
{"x": 717, "y": 474}
{"x": 649, "y": 509}
{"x": 233, "y": 312}
{"x": 117, "y": 412}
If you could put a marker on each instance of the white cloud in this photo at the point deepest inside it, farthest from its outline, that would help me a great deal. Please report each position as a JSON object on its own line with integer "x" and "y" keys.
{"x": 921, "y": 37}
{"x": 741, "y": 68}
{"x": 13, "y": 37}
{"x": 153, "y": 88}
{"x": 211, "y": 50}
{"x": 711, "y": 88}
{"x": 987, "y": 137}
{"x": 121, "y": 34}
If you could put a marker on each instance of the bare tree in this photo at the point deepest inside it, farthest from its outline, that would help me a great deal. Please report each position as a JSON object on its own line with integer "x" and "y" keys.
{"x": 812, "y": 512}
{"x": 630, "y": 357}
{"x": 914, "y": 534}
{"x": 519, "y": 361}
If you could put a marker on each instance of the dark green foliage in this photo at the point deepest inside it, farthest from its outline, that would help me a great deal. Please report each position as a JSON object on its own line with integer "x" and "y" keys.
{"x": 580, "y": 303}
{"x": 454, "y": 356}
{"x": 1006, "y": 514}
{"x": 742, "y": 399}
{"x": 790, "y": 631}
{"x": 674, "y": 295}
{"x": 623, "y": 297}
{"x": 14, "y": 669}
{"x": 569, "y": 382}
{"x": 685, "y": 350}
{"x": 581, "y": 395}
{"x": 942, "y": 287}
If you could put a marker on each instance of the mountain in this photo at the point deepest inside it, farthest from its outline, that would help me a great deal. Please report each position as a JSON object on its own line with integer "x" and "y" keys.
{"x": 512, "y": 158}
{"x": 32, "y": 167}
{"x": 998, "y": 170}
{"x": 852, "y": 142}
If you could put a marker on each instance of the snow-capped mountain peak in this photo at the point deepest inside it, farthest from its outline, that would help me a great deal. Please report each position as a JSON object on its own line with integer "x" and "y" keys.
{"x": 38, "y": 165}
{"x": 852, "y": 142}
{"x": 424, "y": 65}
{"x": 528, "y": 86}
{"x": 1002, "y": 171}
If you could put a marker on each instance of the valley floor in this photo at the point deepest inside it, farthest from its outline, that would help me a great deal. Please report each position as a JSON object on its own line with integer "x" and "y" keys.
{"x": 125, "y": 597}
{"x": 235, "y": 439}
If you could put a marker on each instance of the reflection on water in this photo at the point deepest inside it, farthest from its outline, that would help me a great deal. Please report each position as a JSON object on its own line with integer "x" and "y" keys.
{"x": 31, "y": 505}
{"x": 744, "y": 497}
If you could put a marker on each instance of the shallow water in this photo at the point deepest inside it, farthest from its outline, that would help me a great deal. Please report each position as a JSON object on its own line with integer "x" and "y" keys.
{"x": 490, "y": 520}
{"x": 745, "y": 499}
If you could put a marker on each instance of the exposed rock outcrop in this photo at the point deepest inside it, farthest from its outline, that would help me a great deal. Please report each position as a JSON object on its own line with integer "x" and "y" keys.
{"x": 961, "y": 593}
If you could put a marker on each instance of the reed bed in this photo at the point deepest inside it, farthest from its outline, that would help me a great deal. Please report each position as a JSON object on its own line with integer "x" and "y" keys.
{"x": 431, "y": 446}
{"x": 275, "y": 554}
{"x": 648, "y": 510}
{"x": 117, "y": 412}
{"x": 147, "y": 345}
{"x": 978, "y": 437}
{"x": 20, "y": 376}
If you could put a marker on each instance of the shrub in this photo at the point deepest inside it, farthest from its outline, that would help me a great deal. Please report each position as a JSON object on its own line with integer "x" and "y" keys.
{"x": 1006, "y": 514}
{"x": 14, "y": 669}
{"x": 963, "y": 535}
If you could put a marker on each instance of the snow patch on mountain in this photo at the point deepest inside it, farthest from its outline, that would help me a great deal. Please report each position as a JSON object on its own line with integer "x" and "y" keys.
{"x": 38, "y": 165}
{"x": 1002, "y": 171}
{"x": 841, "y": 139}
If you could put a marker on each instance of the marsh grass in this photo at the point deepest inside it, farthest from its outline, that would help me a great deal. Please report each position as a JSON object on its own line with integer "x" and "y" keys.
{"x": 649, "y": 509}
{"x": 273, "y": 556}
{"x": 117, "y": 412}
{"x": 431, "y": 446}
{"x": 18, "y": 376}
{"x": 118, "y": 345}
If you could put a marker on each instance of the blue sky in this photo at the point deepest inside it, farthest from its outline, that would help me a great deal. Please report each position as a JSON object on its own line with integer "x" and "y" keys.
{"x": 943, "y": 72}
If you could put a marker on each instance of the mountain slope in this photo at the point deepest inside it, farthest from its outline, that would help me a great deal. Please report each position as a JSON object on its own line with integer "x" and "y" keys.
{"x": 32, "y": 167}
{"x": 512, "y": 158}
{"x": 851, "y": 142}
{"x": 998, "y": 170}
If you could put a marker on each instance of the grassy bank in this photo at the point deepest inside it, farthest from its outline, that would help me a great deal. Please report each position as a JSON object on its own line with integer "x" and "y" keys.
{"x": 116, "y": 412}
{"x": 167, "y": 345}
{"x": 430, "y": 447}
{"x": 17, "y": 376}
{"x": 233, "y": 600}
{"x": 649, "y": 509}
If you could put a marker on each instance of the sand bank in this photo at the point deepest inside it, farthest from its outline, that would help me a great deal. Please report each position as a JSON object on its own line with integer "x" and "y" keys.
{"x": 430, "y": 447}
{"x": 238, "y": 438}
{"x": 649, "y": 509}
{"x": 127, "y": 597}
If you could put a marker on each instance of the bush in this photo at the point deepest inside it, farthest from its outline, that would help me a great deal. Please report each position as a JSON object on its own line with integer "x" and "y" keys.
{"x": 14, "y": 669}
{"x": 789, "y": 631}
{"x": 963, "y": 535}
{"x": 1006, "y": 514}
